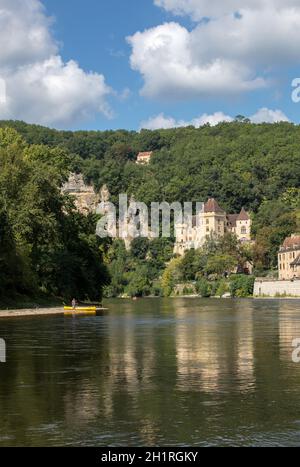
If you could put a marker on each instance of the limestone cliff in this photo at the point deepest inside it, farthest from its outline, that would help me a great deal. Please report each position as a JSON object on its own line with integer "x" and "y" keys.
{"x": 86, "y": 199}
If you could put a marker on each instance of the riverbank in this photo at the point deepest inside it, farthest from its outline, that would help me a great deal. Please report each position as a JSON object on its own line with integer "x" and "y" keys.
{"x": 38, "y": 312}
{"x": 31, "y": 312}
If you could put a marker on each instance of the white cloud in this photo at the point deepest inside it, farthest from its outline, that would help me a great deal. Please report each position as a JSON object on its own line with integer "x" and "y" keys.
{"x": 167, "y": 58}
{"x": 25, "y": 34}
{"x": 53, "y": 92}
{"x": 213, "y": 119}
{"x": 225, "y": 55}
{"x": 161, "y": 121}
{"x": 2, "y": 91}
{"x": 40, "y": 87}
{"x": 265, "y": 115}
{"x": 198, "y": 9}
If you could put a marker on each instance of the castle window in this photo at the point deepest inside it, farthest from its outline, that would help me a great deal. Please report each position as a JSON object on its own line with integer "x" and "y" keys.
{"x": 244, "y": 230}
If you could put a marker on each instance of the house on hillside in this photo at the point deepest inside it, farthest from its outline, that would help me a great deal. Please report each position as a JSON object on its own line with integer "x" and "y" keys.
{"x": 144, "y": 158}
{"x": 289, "y": 258}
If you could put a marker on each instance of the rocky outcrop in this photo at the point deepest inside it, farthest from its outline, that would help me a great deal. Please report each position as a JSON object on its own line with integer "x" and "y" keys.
{"x": 86, "y": 198}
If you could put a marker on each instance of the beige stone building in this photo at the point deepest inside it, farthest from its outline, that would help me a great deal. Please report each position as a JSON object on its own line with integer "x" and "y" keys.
{"x": 213, "y": 221}
{"x": 289, "y": 258}
{"x": 144, "y": 158}
{"x": 240, "y": 225}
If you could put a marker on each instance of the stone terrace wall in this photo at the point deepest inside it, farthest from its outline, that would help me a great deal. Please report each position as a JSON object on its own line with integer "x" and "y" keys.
{"x": 276, "y": 288}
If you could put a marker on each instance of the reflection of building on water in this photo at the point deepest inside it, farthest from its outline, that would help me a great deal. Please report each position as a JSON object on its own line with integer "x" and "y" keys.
{"x": 149, "y": 432}
{"x": 203, "y": 350}
{"x": 131, "y": 360}
{"x": 130, "y": 364}
{"x": 245, "y": 351}
{"x": 197, "y": 352}
{"x": 289, "y": 329}
{"x": 198, "y": 357}
{"x": 198, "y": 367}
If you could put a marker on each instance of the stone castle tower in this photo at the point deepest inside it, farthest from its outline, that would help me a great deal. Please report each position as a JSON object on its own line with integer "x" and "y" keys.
{"x": 211, "y": 222}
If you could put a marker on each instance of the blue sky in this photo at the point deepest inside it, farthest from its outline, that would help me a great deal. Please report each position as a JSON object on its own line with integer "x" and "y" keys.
{"x": 95, "y": 35}
{"x": 185, "y": 71}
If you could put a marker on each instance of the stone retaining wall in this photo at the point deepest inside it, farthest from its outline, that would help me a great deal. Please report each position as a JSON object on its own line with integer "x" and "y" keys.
{"x": 276, "y": 288}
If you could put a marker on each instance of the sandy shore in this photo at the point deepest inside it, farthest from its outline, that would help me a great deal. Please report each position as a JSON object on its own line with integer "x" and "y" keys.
{"x": 31, "y": 312}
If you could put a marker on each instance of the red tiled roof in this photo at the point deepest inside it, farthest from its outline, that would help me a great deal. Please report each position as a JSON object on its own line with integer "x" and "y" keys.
{"x": 243, "y": 216}
{"x": 232, "y": 218}
{"x": 292, "y": 242}
{"x": 212, "y": 206}
{"x": 145, "y": 155}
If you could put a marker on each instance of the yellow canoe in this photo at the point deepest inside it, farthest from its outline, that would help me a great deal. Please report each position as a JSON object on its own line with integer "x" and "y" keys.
{"x": 84, "y": 311}
{"x": 78, "y": 309}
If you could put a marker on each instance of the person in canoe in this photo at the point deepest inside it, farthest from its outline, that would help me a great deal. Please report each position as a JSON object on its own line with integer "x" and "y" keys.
{"x": 74, "y": 303}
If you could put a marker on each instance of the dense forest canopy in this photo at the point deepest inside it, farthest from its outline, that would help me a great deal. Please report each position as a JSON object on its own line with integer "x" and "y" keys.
{"x": 46, "y": 246}
{"x": 240, "y": 164}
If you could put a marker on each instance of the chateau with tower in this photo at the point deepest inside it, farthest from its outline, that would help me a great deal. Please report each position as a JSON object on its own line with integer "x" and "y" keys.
{"x": 213, "y": 221}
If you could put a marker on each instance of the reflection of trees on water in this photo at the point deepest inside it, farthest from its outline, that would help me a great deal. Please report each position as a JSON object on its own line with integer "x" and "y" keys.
{"x": 151, "y": 372}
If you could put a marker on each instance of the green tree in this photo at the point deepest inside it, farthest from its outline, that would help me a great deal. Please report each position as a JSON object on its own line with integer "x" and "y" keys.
{"x": 220, "y": 264}
{"x": 241, "y": 286}
{"x": 139, "y": 248}
{"x": 51, "y": 248}
{"x": 138, "y": 284}
{"x": 171, "y": 276}
{"x": 203, "y": 288}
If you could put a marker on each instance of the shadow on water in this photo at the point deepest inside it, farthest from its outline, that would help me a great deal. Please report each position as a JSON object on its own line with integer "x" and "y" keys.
{"x": 154, "y": 372}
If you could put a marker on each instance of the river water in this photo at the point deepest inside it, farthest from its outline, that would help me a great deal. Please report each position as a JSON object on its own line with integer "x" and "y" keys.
{"x": 154, "y": 373}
